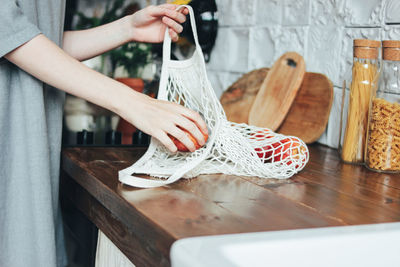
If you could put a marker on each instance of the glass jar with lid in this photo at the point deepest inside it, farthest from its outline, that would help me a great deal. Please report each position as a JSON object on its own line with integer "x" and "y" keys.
{"x": 365, "y": 73}
{"x": 383, "y": 147}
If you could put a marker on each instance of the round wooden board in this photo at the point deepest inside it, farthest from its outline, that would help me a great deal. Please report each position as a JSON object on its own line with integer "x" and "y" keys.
{"x": 278, "y": 91}
{"x": 239, "y": 97}
{"x": 307, "y": 117}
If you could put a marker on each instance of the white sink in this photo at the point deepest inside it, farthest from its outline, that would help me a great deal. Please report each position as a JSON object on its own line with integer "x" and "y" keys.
{"x": 366, "y": 245}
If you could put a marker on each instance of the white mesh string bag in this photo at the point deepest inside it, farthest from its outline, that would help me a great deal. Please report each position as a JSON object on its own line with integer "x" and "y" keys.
{"x": 237, "y": 149}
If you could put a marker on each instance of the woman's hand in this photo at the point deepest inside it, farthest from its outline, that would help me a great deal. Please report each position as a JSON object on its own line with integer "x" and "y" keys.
{"x": 148, "y": 24}
{"x": 160, "y": 118}
{"x": 43, "y": 59}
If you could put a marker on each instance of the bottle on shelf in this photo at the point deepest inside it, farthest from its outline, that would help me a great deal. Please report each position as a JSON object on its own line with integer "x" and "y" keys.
{"x": 365, "y": 74}
{"x": 383, "y": 146}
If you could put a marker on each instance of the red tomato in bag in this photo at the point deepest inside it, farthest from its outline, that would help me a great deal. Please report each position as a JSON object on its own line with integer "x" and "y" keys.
{"x": 281, "y": 150}
{"x": 262, "y": 135}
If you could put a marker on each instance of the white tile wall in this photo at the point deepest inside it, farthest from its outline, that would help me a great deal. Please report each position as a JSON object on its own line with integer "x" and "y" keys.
{"x": 221, "y": 80}
{"x": 236, "y": 13}
{"x": 331, "y": 12}
{"x": 254, "y": 33}
{"x": 296, "y": 13}
{"x": 269, "y": 43}
{"x": 323, "y": 51}
{"x": 366, "y": 13}
{"x": 289, "y": 39}
{"x": 392, "y": 14}
{"x": 231, "y": 50}
{"x": 333, "y": 127}
{"x": 391, "y": 32}
{"x": 267, "y": 12}
{"x": 261, "y": 48}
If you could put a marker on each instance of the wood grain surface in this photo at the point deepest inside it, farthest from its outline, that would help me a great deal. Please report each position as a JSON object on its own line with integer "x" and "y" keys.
{"x": 278, "y": 91}
{"x": 239, "y": 97}
{"x": 309, "y": 114}
{"x": 144, "y": 223}
{"x": 307, "y": 117}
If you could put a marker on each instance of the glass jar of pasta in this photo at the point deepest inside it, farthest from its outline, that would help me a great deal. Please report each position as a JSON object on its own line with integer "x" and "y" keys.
{"x": 365, "y": 73}
{"x": 383, "y": 147}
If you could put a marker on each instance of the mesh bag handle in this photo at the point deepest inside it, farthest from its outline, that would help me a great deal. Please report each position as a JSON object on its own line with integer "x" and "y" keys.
{"x": 167, "y": 61}
{"x": 125, "y": 175}
{"x": 236, "y": 149}
{"x": 167, "y": 38}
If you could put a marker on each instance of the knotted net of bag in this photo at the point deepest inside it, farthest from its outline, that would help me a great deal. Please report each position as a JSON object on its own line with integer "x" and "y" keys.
{"x": 232, "y": 148}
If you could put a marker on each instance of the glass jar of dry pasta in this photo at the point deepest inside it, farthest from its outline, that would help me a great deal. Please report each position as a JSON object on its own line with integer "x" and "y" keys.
{"x": 365, "y": 73}
{"x": 383, "y": 147}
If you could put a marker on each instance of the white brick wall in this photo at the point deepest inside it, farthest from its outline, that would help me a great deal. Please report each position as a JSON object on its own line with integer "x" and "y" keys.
{"x": 254, "y": 33}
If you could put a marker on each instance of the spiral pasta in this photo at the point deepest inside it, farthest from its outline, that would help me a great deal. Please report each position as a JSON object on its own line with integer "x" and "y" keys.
{"x": 383, "y": 152}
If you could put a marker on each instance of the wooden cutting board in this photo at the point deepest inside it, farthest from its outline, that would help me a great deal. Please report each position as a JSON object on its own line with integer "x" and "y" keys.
{"x": 278, "y": 91}
{"x": 308, "y": 116}
{"x": 309, "y": 113}
{"x": 239, "y": 97}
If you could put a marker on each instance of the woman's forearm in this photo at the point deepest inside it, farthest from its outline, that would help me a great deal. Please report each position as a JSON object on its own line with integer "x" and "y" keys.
{"x": 146, "y": 25}
{"x": 89, "y": 43}
{"x": 43, "y": 59}
{"x": 60, "y": 68}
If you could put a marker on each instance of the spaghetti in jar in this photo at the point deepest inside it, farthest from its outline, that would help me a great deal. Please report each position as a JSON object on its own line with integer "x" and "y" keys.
{"x": 365, "y": 75}
{"x": 383, "y": 147}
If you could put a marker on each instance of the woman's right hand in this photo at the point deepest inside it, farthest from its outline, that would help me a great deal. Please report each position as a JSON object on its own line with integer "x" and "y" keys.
{"x": 160, "y": 118}
{"x": 154, "y": 117}
{"x": 43, "y": 59}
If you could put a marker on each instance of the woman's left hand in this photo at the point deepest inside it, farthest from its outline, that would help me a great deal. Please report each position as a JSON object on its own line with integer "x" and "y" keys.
{"x": 148, "y": 24}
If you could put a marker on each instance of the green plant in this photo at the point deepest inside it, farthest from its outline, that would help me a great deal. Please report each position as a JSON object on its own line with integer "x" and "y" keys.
{"x": 131, "y": 56}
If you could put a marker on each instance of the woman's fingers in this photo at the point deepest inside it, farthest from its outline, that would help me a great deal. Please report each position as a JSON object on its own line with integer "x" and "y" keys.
{"x": 175, "y": 15}
{"x": 171, "y": 18}
{"x": 191, "y": 115}
{"x": 183, "y": 138}
{"x": 174, "y": 7}
{"x": 162, "y": 119}
{"x": 172, "y": 24}
{"x": 161, "y": 10}
{"x": 187, "y": 125}
{"x": 196, "y": 118}
{"x": 174, "y": 28}
{"x": 174, "y": 36}
{"x": 191, "y": 128}
{"x": 166, "y": 141}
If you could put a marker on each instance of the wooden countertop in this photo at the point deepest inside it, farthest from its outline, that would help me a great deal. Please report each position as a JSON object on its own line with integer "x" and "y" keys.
{"x": 144, "y": 223}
